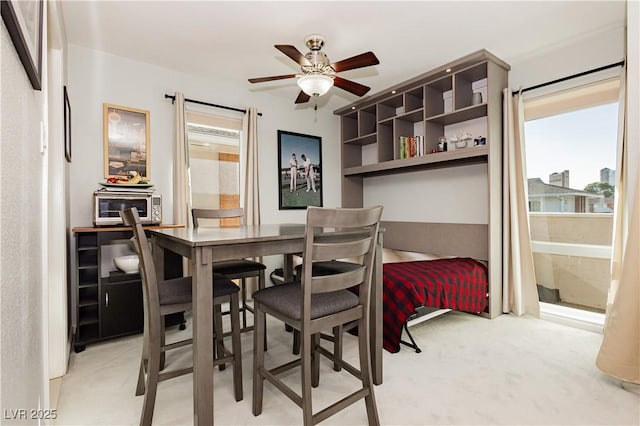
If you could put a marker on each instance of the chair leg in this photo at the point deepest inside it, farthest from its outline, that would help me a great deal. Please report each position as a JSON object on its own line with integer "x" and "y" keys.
{"x": 337, "y": 346}
{"x": 243, "y": 289}
{"x": 307, "y": 349}
{"x": 296, "y": 342}
{"x": 140, "y": 387}
{"x": 235, "y": 345}
{"x": 144, "y": 362}
{"x": 152, "y": 382}
{"x": 259, "y": 320}
{"x": 162, "y": 343}
{"x": 315, "y": 358}
{"x": 365, "y": 369}
{"x": 261, "y": 284}
{"x": 217, "y": 329}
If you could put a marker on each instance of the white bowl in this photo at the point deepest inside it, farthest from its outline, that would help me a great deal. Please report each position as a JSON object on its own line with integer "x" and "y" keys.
{"x": 127, "y": 264}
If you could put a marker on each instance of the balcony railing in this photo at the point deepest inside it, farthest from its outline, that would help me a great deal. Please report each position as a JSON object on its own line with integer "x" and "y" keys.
{"x": 571, "y": 254}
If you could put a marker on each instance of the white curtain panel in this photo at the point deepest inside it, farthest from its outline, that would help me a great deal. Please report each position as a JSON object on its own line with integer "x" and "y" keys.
{"x": 181, "y": 207}
{"x": 619, "y": 354}
{"x": 251, "y": 184}
{"x": 520, "y": 293}
{"x": 251, "y": 189}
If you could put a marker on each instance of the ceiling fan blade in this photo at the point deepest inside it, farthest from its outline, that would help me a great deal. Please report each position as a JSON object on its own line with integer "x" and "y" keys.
{"x": 275, "y": 77}
{"x": 302, "y": 98}
{"x": 350, "y": 86}
{"x": 293, "y": 53}
{"x": 358, "y": 61}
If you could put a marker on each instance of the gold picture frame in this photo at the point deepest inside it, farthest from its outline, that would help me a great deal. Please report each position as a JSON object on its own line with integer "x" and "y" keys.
{"x": 126, "y": 141}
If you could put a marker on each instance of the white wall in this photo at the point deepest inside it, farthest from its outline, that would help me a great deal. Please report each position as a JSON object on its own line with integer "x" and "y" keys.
{"x": 566, "y": 58}
{"x": 23, "y": 285}
{"x": 428, "y": 196}
{"x": 96, "y": 78}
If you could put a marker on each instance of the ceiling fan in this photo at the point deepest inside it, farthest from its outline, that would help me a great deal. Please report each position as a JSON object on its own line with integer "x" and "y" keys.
{"x": 318, "y": 73}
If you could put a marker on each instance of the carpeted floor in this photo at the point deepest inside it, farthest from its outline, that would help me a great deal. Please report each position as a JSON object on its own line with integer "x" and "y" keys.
{"x": 472, "y": 371}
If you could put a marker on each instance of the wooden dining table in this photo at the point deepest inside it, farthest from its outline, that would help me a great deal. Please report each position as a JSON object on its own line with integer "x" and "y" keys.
{"x": 203, "y": 246}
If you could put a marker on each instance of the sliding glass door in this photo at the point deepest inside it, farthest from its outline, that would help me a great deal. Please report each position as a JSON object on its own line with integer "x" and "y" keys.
{"x": 571, "y": 139}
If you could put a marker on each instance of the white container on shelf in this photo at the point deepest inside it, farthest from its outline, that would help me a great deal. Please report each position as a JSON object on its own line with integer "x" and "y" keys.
{"x": 480, "y": 86}
{"x": 447, "y": 98}
{"x": 127, "y": 264}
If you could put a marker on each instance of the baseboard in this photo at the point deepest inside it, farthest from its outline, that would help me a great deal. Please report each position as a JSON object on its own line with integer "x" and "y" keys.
{"x": 578, "y": 318}
{"x": 54, "y": 392}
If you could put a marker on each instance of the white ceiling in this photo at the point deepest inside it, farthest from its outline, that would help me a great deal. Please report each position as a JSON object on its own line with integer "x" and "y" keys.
{"x": 234, "y": 40}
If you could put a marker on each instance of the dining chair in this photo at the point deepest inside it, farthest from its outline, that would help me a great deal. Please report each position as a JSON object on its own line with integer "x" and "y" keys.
{"x": 165, "y": 297}
{"x": 238, "y": 268}
{"x": 320, "y": 303}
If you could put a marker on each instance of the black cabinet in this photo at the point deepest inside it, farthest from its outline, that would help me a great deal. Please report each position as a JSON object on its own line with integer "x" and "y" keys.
{"x": 109, "y": 304}
{"x": 120, "y": 302}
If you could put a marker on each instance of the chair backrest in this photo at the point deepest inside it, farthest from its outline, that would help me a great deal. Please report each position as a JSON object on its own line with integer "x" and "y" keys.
{"x": 198, "y": 214}
{"x": 150, "y": 294}
{"x": 336, "y": 233}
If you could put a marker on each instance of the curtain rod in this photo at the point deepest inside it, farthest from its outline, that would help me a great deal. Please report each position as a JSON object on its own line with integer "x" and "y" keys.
{"x": 559, "y": 80}
{"x": 173, "y": 99}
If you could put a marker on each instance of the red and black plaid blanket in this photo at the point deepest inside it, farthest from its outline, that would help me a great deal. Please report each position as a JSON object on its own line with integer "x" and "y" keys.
{"x": 458, "y": 283}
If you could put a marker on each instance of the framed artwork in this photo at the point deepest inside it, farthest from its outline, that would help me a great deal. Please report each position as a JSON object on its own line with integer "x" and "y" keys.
{"x": 24, "y": 24}
{"x": 299, "y": 170}
{"x": 126, "y": 141}
{"x": 67, "y": 126}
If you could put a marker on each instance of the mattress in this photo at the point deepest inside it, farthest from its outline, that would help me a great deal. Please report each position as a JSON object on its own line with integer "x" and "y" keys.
{"x": 451, "y": 283}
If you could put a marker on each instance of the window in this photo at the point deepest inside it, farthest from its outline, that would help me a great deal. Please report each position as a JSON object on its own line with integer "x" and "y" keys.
{"x": 214, "y": 162}
{"x": 571, "y": 141}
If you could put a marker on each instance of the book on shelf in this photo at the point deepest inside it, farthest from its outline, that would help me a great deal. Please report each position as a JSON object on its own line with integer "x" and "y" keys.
{"x": 411, "y": 146}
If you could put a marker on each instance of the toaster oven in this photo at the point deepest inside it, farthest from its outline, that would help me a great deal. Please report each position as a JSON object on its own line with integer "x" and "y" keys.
{"x": 107, "y": 206}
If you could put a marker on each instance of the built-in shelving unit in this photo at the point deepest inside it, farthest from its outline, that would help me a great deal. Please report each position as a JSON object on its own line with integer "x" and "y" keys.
{"x": 438, "y": 103}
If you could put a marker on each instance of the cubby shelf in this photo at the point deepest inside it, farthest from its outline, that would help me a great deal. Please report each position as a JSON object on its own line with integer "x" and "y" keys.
{"x": 460, "y": 115}
{"x": 363, "y": 140}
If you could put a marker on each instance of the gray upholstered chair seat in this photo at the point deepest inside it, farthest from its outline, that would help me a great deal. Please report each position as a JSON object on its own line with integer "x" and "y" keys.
{"x": 329, "y": 267}
{"x": 178, "y": 290}
{"x": 223, "y": 286}
{"x": 175, "y": 291}
{"x": 287, "y": 299}
{"x": 239, "y": 266}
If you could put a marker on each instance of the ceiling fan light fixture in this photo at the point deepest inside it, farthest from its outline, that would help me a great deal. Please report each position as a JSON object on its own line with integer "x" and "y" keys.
{"x": 315, "y": 84}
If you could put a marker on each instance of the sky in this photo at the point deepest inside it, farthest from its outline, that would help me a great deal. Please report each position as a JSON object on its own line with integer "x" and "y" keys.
{"x": 582, "y": 142}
